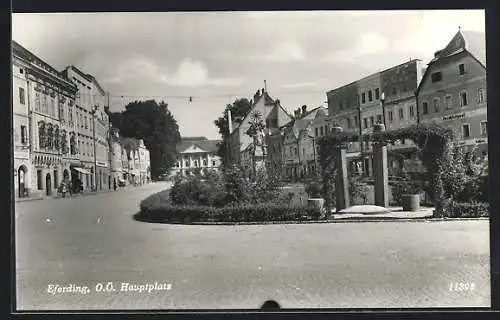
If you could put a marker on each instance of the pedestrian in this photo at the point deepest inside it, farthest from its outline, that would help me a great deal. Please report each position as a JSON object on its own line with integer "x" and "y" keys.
{"x": 114, "y": 184}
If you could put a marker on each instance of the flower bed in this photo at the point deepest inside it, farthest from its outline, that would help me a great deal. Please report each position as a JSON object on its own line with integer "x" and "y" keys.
{"x": 166, "y": 212}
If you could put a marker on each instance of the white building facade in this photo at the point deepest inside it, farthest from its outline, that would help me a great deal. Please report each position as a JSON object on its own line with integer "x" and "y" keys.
{"x": 197, "y": 156}
{"x": 49, "y": 96}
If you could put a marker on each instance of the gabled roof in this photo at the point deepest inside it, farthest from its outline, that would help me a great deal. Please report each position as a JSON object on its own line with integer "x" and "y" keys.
{"x": 473, "y": 43}
{"x": 267, "y": 101}
{"x": 207, "y": 145}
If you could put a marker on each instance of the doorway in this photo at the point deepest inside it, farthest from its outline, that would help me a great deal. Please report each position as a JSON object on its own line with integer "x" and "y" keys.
{"x": 21, "y": 174}
{"x": 48, "y": 184}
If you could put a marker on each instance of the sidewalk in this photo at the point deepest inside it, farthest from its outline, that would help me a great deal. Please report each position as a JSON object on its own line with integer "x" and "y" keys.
{"x": 87, "y": 193}
{"x": 394, "y": 213}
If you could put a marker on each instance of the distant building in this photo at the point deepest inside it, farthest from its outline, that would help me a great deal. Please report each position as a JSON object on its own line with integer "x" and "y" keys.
{"x": 273, "y": 115}
{"x": 145, "y": 163}
{"x": 90, "y": 109}
{"x": 115, "y": 156}
{"x": 196, "y": 155}
{"x": 358, "y": 106}
{"x": 453, "y": 90}
{"x": 299, "y": 142}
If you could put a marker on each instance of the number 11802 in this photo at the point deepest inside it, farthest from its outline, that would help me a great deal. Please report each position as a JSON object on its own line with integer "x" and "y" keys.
{"x": 462, "y": 286}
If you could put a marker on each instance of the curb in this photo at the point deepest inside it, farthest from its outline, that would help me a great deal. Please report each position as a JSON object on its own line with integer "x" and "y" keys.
{"x": 27, "y": 199}
{"x": 346, "y": 220}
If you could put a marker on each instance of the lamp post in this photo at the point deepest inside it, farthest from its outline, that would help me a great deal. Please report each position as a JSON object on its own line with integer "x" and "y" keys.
{"x": 93, "y": 112}
{"x": 382, "y": 99}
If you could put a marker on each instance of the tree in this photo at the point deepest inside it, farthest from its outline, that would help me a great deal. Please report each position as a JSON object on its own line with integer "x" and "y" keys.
{"x": 156, "y": 126}
{"x": 255, "y": 131}
{"x": 239, "y": 109}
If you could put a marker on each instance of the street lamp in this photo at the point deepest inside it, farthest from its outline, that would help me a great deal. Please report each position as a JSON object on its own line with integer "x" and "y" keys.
{"x": 93, "y": 112}
{"x": 382, "y": 99}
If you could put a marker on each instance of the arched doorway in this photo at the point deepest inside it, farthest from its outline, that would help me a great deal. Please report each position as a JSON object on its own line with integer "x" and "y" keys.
{"x": 21, "y": 175}
{"x": 48, "y": 184}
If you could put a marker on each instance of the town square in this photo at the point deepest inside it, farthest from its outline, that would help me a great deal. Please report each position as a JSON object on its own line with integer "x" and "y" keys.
{"x": 187, "y": 173}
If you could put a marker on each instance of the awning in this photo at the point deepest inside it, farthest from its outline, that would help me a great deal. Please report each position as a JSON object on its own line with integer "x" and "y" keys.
{"x": 82, "y": 170}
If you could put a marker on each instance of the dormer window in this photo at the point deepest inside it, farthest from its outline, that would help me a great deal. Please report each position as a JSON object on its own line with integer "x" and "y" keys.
{"x": 461, "y": 69}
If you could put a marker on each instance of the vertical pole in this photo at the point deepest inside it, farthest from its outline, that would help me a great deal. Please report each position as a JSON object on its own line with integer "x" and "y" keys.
{"x": 95, "y": 148}
{"x": 380, "y": 171}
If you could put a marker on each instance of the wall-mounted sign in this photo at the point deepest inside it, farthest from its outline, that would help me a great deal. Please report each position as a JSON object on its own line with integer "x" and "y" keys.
{"x": 454, "y": 116}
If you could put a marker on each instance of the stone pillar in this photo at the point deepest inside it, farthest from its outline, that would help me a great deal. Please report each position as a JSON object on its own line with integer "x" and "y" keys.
{"x": 380, "y": 171}
{"x": 342, "y": 182}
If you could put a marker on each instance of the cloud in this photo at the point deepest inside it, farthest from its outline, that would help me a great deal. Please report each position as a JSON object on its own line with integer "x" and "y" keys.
{"x": 191, "y": 73}
{"x": 299, "y": 85}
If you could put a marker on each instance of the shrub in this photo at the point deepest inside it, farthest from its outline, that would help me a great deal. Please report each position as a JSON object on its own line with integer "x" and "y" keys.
{"x": 198, "y": 191}
{"x": 453, "y": 209}
{"x": 162, "y": 197}
{"x": 233, "y": 213}
{"x": 314, "y": 187}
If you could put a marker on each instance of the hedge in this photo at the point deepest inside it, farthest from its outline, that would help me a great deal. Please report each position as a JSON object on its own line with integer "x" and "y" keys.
{"x": 453, "y": 209}
{"x": 233, "y": 213}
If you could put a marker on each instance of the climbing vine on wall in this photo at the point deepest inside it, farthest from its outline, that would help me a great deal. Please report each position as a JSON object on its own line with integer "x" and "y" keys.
{"x": 432, "y": 142}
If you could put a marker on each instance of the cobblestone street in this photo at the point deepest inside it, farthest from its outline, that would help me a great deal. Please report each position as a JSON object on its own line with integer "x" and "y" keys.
{"x": 94, "y": 239}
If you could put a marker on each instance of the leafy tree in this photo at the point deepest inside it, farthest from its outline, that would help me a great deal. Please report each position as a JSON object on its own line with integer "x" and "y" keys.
{"x": 156, "y": 126}
{"x": 239, "y": 109}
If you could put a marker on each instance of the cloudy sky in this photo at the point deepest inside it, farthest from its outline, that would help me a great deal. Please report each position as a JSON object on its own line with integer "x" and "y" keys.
{"x": 220, "y": 56}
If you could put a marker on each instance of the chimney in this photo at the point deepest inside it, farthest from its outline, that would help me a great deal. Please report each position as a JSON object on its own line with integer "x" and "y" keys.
{"x": 304, "y": 110}
{"x": 230, "y": 121}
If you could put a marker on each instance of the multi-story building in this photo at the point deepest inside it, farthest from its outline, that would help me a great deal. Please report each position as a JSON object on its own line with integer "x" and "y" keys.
{"x": 49, "y": 97}
{"x": 452, "y": 92}
{"x": 144, "y": 163}
{"x": 358, "y": 106}
{"x": 196, "y": 155}
{"x": 90, "y": 103}
{"x": 115, "y": 157}
{"x": 272, "y": 114}
{"x": 20, "y": 126}
{"x": 299, "y": 147}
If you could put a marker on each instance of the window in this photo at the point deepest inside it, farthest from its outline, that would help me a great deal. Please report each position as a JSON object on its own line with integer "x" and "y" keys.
{"x": 341, "y": 105}
{"x": 379, "y": 118}
{"x": 370, "y": 96}
{"x": 213, "y": 163}
{"x": 39, "y": 179}
{"x": 401, "y": 114}
{"x": 372, "y": 121}
{"x": 464, "y": 101}
{"x": 21, "y": 70}
{"x": 53, "y": 107}
{"x": 178, "y": 165}
{"x": 484, "y": 129}
{"x": 45, "y": 107}
{"x": 448, "y": 102}
{"x": 404, "y": 87}
{"x": 196, "y": 163}
{"x": 86, "y": 123}
{"x": 326, "y": 129}
{"x": 461, "y": 69}
{"x": 349, "y": 124}
{"x": 303, "y": 151}
{"x": 316, "y": 132}
{"x": 377, "y": 93}
{"x": 436, "y": 77}
{"x": 466, "y": 130}
{"x": 37, "y": 102}
{"x": 480, "y": 95}
{"x": 296, "y": 151}
{"x": 391, "y": 117}
{"x": 187, "y": 164}
{"x": 425, "y": 108}
{"x": 394, "y": 90}
{"x": 436, "y": 104}
{"x": 365, "y": 123}
{"x": 412, "y": 111}
{"x": 363, "y": 98}
{"x": 321, "y": 130}
{"x": 21, "y": 96}
{"x": 24, "y": 135}
{"x": 356, "y": 121}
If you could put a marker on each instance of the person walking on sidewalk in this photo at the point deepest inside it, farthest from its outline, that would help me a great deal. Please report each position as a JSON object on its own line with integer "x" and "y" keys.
{"x": 114, "y": 184}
